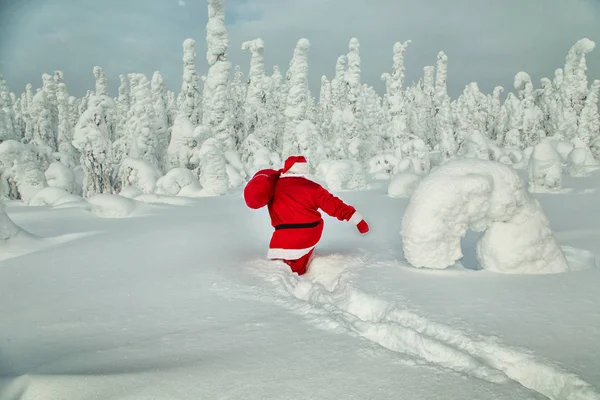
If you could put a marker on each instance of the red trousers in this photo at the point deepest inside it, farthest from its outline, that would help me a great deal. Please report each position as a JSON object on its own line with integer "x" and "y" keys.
{"x": 299, "y": 266}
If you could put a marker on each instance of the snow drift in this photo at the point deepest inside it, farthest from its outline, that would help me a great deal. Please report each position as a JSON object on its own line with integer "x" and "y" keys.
{"x": 481, "y": 196}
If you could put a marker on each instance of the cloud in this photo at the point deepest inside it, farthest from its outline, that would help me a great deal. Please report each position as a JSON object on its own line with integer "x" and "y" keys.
{"x": 488, "y": 42}
{"x": 182, "y": 3}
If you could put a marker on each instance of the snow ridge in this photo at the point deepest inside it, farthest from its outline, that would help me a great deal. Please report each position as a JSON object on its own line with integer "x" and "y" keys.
{"x": 328, "y": 297}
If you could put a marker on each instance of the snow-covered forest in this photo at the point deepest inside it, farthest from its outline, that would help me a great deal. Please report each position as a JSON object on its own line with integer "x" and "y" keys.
{"x": 221, "y": 127}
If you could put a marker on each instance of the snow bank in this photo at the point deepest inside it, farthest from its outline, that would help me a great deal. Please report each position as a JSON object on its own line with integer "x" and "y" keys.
{"x": 342, "y": 175}
{"x": 8, "y": 229}
{"x": 53, "y": 196}
{"x": 112, "y": 206}
{"x": 138, "y": 173}
{"x": 545, "y": 169}
{"x": 403, "y": 185}
{"x": 481, "y": 196}
{"x": 178, "y": 182}
{"x": 60, "y": 176}
{"x": 131, "y": 192}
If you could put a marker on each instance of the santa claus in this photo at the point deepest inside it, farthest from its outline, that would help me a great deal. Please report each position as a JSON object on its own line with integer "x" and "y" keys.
{"x": 294, "y": 206}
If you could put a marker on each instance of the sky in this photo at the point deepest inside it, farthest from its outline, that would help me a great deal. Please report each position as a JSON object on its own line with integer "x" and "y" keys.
{"x": 487, "y": 41}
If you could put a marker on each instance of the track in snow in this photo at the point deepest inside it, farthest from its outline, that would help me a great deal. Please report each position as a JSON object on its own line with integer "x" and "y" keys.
{"x": 326, "y": 295}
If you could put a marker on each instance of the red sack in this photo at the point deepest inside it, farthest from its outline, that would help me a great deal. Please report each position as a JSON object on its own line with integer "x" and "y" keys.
{"x": 259, "y": 191}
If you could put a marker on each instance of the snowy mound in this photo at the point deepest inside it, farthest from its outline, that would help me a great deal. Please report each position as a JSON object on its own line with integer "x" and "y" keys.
{"x": 53, "y": 196}
{"x": 113, "y": 206}
{"x": 131, "y": 192}
{"x": 403, "y": 185}
{"x": 481, "y": 196}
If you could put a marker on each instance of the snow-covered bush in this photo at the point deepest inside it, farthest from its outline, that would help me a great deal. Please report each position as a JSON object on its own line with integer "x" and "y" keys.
{"x": 182, "y": 145}
{"x": 178, "y": 182}
{"x": 563, "y": 148}
{"x": 418, "y": 152}
{"x": 53, "y": 196}
{"x": 255, "y": 156}
{"x": 581, "y": 161}
{"x": 138, "y": 173}
{"x": 60, "y": 176}
{"x": 481, "y": 196}
{"x": 383, "y": 166}
{"x": 20, "y": 173}
{"x": 213, "y": 169}
{"x": 545, "y": 169}
{"x": 342, "y": 175}
{"x": 403, "y": 185}
{"x": 475, "y": 146}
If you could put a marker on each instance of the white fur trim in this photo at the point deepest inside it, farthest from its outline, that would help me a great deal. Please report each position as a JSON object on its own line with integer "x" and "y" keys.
{"x": 299, "y": 168}
{"x": 355, "y": 219}
{"x": 288, "y": 254}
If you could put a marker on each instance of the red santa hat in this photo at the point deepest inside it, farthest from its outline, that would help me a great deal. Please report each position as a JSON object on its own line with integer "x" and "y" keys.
{"x": 295, "y": 164}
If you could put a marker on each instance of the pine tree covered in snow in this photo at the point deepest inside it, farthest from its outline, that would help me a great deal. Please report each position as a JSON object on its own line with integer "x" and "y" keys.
{"x": 141, "y": 124}
{"x": 190, "y": 97}
{"x": 7, "y": 117}
{"x": 101, "y": 83}
{"x": 159, "y": 100}
{"x": 255, "y": 113}
{"x": 92, "y": 140}
{"x": 589, "y": 121}
{"x": 216, "y": 102}
{"x": 122, "y": 103}
{"x": 396, "y": 131}
{"x": 68, "y": 154}
{"x": 444, "y": 127}
{"x": 531, "y": 128}
{"x": 297, "y": 99}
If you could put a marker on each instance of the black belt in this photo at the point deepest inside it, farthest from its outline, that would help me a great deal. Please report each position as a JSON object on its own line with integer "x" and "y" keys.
{"x": 297, "y": 226}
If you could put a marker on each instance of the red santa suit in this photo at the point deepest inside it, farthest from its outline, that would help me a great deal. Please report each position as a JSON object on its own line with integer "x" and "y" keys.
{"x": 294, "y": 210}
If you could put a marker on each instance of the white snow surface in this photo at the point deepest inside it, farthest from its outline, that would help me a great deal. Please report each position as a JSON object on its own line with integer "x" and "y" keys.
{"x": 480, "y": 196}
{"x": 157, "y": 307}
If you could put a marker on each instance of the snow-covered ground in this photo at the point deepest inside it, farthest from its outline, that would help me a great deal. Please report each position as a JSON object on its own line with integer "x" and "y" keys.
{"x": 176, "y": 301}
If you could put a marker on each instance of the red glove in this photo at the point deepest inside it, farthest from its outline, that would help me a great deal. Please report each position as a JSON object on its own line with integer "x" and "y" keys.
{"x": 363, "y": 227}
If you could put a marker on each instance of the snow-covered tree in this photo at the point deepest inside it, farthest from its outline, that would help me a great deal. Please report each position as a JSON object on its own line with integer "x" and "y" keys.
{"x": 353, "y": 117}
{"x": 589, "y": 121}
{"x": 29, "y": 119}
{"x": 216, "y": 102}
{"x": 213, "y": 167}
{"x": 101, "y": 83}
{"x": 159, "y": 100}
{"x": 396, "y": 131}
{"x": 238, "y": 101}
{"x": 255, "y": 104}
{"x": 92, "y": 140}
{"x": 531, "y": 128}
{"x": 122, "y": 104}
{"x": 297, "y": 99}
{"x": 7, "y": 117}
{"x": 190, "y": 97}
{"x": 141, "y": 124}
{"x": 68, "y": 154}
